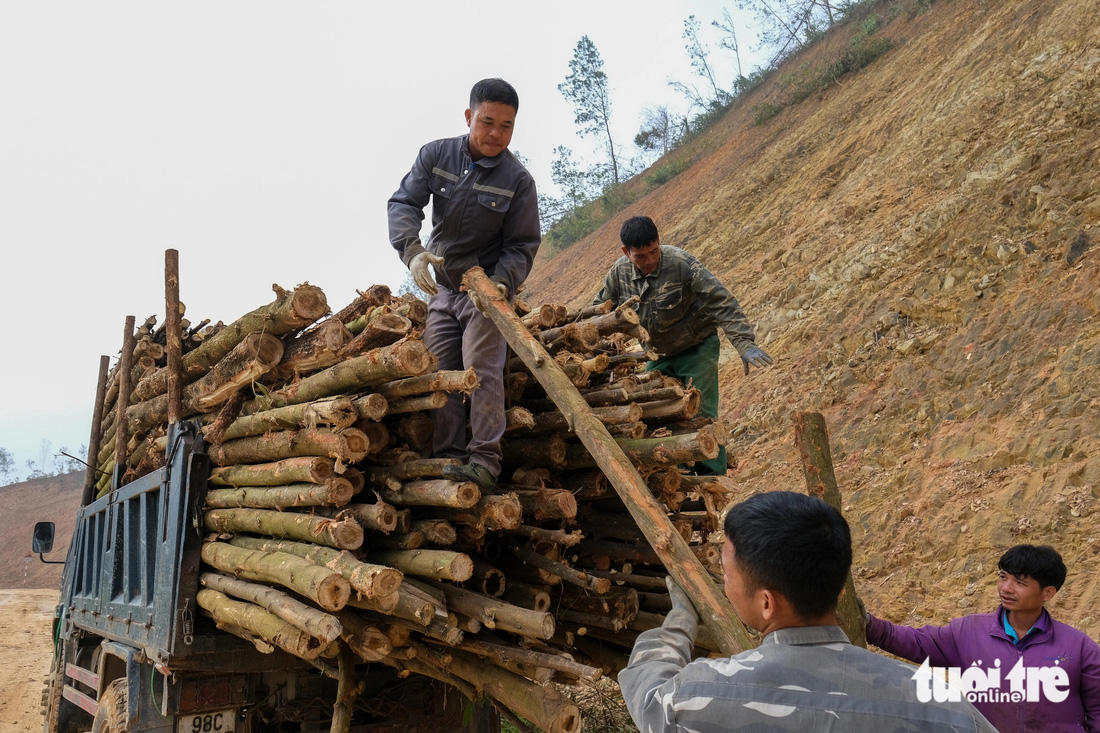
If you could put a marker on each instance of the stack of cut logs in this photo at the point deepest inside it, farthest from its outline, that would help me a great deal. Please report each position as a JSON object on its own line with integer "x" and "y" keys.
{"x": 329, "y": 524}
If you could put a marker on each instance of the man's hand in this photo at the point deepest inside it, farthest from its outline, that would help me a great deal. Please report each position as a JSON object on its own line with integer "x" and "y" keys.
{"x": 481, "y": 304}
{"x": 419, "y": 269}
{"x": 755, "y": 356}
{"x": 866, "y": 617}
{"x": 680, "y": 600}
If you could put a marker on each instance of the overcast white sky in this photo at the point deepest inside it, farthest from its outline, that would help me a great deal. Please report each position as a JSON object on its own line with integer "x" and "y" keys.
{"x": 261, "y": 140}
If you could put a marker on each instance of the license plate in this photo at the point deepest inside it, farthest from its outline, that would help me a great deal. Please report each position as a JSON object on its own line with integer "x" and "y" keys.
{"x": 215, "y": 721}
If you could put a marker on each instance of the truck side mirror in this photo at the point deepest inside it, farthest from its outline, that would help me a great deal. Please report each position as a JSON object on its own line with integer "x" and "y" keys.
{"x": 42, "y": 540}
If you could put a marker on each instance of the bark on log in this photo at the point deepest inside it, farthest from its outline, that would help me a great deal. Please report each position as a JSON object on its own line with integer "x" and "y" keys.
{"x": 345, "y": 534}
{"x": 371, "y": 644}
{"x": 338, "y": 412}
{"x": 408, "y": 470}
{"x": 498, "y": 614}
{"x": 441, "y": 492}
{"x": 381, "y": 329}
{"x": 326, "y": 588}
{"x": 290, "y": 311}
{"x": 443, "y": 381}
{"x": 253, "y": 357}
{"x": 372, "y": 406}
{"x": 379, "y": 517}
{"x": 817, "y": 468}
{"x": 368, "y": 580}
{"x": 347, "y": 446}
{"x": 333, "y": 492}
{"x": 404, "y": 405}
{"x": 437, "y": 531}
{"x": 647, "y": 512}
{"x": 556, "y": 422}
{"x": 653, "y": 451}
{"x": 496, "y": 512}
{"x": 313, "y": 350}
{"x": 317, "y": 624}
{"x": 563, "y": 571}
{"x": 402, "y": 359}
{"x": 374, "y": 296}
{"x": 259, "y": 622}
{"x": 557, "y": 536}
{"x": 543, "y": 504}
{"x": 436, "y": 564}
{"x": 292, "y": 470}
{"x": 527, "y": 595}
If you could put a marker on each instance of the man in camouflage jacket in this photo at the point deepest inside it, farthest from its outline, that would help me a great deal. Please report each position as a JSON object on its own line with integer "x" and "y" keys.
{"x": 785, "y": 561}
{"x": 682, "y": 306}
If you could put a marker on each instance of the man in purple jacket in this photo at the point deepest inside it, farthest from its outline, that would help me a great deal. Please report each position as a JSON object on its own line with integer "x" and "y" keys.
{"x": 1022, "y": 669}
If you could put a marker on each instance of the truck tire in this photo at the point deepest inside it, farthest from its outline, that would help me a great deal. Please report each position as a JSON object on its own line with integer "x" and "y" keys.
{"x": 111, "y": 716}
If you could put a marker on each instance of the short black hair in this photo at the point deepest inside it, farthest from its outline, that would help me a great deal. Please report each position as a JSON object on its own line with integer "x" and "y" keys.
{"x": 1041, "y": 562}
{"x": 638, "y": 231}
{"x": 797, "y": 545}
{"x": 494, "y": 90}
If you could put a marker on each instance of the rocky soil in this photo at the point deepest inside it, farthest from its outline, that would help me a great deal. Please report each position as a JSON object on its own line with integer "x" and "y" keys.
{"x": 917, "y": 248}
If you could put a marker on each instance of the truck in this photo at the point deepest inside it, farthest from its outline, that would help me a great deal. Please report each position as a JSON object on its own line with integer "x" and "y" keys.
{"x": 132, "y": 653}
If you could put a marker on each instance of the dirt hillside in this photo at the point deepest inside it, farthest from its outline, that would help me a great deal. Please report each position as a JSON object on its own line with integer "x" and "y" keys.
{"x": 52, "y": 499}
{"x": 916, "y": 248}
{"x": 25, "y": 620}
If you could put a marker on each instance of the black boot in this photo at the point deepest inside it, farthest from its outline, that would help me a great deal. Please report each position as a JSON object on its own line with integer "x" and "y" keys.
{"x": 473, "y": 472}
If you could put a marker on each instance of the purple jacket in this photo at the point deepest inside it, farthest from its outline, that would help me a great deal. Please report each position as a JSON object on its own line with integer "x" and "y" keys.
{"x": 980, "y": 639}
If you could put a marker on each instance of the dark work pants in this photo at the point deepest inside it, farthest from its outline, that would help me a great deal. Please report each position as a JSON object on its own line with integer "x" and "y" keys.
{"x": 462, "y": 338}
{"x": 699, "y": 364}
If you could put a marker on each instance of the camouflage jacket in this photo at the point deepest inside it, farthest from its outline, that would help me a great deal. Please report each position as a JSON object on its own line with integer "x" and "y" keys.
{"x": 682, "y": 303}
{"x": 798, "y": 679}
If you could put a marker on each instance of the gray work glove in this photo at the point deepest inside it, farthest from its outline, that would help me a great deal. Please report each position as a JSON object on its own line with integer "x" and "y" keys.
{"x": 755, "y": 356}
{"x": 864, "y": 615}
{"x": 418, "y": 266}
{"x": 482, "y": 304}
{"x": 680, "y": 600}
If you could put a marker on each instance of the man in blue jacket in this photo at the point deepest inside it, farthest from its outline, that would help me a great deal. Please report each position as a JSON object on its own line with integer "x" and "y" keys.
{"x": 484, "y": 214}
{"x": 1037, "y": 674}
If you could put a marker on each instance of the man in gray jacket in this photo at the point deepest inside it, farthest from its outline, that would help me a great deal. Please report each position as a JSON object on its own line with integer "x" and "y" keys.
{"x": 683, "y": 306}
{"x": 785, "y": 560}
{"x": 484, "y": 213}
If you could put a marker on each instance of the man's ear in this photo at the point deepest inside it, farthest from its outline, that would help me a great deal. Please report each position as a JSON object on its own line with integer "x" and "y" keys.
{"x": 624, "y": 250}
{"x": 768, "y": 604}
{"x": 1048, "y": 593}
{"x": 469, "y": 117}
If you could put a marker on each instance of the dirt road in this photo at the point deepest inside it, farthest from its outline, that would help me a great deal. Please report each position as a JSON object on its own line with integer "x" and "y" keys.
{"x": 25, "y": 654}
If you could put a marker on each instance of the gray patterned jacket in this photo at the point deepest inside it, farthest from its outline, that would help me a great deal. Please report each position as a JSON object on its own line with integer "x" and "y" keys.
{"x": 799, "y": 679}
{"x": 682, "y": 303}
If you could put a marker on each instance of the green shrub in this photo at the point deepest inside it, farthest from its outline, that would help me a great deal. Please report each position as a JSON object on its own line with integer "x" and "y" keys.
{"x": 764, "y": 111}
{"x": 667, "y": 172}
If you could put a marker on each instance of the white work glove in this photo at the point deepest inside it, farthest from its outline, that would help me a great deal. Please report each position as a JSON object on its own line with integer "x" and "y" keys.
{"x": 418, "y": 266}
{"x": 680, "y": 600}
{"x": 482, "y": 304}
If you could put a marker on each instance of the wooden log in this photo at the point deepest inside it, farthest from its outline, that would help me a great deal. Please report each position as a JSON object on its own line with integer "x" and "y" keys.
{"x": 678, "y": 558}
{"x": 487, "y": 579}
{"x": 254, "y": 356}
{"x": 518, "y": 418}
{"x": 561, "y": 662}
{"x": 378, "y": 517}
{"x": 313, "y": 350}
{"x": 308, "y": 469}
{"x": 533, "y": 477}
{"x": 347, "y": 446}
{"x": 527, "y": 595}
{"x": 634, "y": 579}
{"x": 259, "y": 622}
{"x": 556, "y": 422}
{"x": 173, "y": 337}
{"x": 438, "y": 564}
{"x": 408, "y": 470}
{"x": 320, "y": 625}
{"x": 667, "y": 451}
{"x": 338, "y": 412}
{"x": 122, "y": 419}
{"x": 432, "y": 492}
{"x": 326, "y": 588}
{"x": 378, "y": 435}
{"x": 661, "y": 412}
{"x": 514, "y": 385}
{"x": 416, "y": 431}
{"x": 561, "y": 570}
{"x": 96, "y": 432}
{"x": 290, "y": 311}
{"x": 372, "y": 297}
{"x": 542, "y": 504}
{"x": 436, "y": 531}
{"x": 430, "y": 401}
{"x": 496, "y": 512}
{"x": 368, "y": 580}
{"x": 402, "y": 359}
{"x": 333, "y": 492}
{"x": 344, "y": 534}
{"x": 497, "y": 614}
{"x": 382, "y": 328}
{"x": 464, "y": 382}
{"x": 371, "y": 406}
{"x": 411, "y": 540}
{"x": 619, "y": 602}
{"x": 543, "y": 451}
{"x": 542, "y": 534}
{"x": 586, "y": 485}
{"x": 589, "y": 311}
{"x": 817, "y": 468}
{"x": 369, "y": 643}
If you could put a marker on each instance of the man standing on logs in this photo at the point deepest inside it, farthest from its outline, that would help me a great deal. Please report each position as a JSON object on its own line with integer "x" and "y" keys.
{"x": 785, "y": 561}
{"x": 484, "y": 213}
{"x": 682, "y": 306}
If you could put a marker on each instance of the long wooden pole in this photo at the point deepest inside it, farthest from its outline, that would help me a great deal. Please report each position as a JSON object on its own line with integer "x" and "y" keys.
{"x": 679, "y": 560}
{"x": 172, "y": 332}
{"x": 122, "y": 436}
{"x": 817, "y": 467}
{"x": 97, "y": 432}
